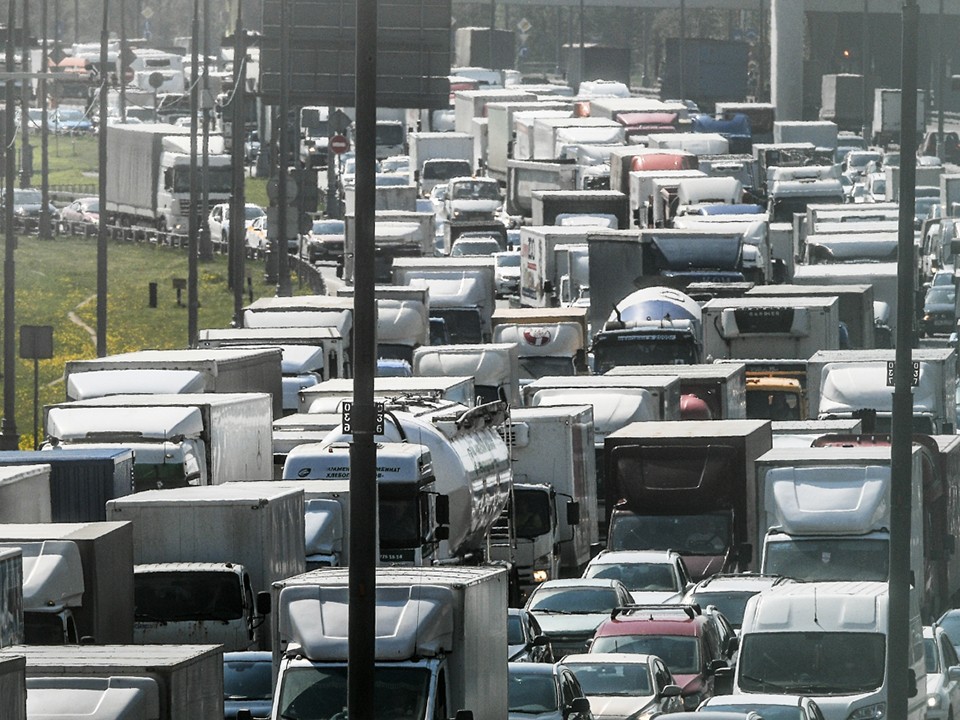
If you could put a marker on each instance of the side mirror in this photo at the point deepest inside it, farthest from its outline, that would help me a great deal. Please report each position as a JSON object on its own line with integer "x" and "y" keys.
{"x": 911, "y": 683}
{"x": 723, "y": 681}
{"x": 244, "y": 714}
{"x": 733, "y": 644}
{"x": 463, "y": 715}
{"x": 953, "y": 672}
{"x": 745, "y": 553}
{"x": 595, "y": 549}
{"x": 671, "y": 691}
{"x": 573, "y": 513}
{"x": 442, "y": 509}
{"x": 716, "y": 665}
{"x": 442, "y": 533}
{"x": 580, "y": 706}
{"x": 264, "y": 603}
{"x": 543, "y": 641}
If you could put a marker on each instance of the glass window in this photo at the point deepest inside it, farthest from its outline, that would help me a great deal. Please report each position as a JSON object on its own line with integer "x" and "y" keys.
{"x": 930, "y": 656}
{"x": 244, "y": 680}
{"x": 318, "y": 693}
{"x": 638, "y": 576}
{"x": 574, "y": 600}
{"x": 531, "y": 693}
{"x": 826, "y": 560}
{"x": 178, "y": 596}
{"x": 687, "y": 534}
{"x": 515, "y": 630}
{"x": 681, "y": 654}
{"x": 768, "y": 712}
{"x": 609, "y": 678}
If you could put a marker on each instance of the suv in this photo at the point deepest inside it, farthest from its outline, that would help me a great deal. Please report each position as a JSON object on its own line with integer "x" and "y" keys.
{"x": 730, "y": 592}
{"x": 688, "y": 640}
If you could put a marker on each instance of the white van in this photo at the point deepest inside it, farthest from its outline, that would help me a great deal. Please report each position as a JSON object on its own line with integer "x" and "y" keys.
{"x": 826, "y": 641}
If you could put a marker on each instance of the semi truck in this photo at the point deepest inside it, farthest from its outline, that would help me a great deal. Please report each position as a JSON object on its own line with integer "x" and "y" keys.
{"x": 686, "y": 486}
{"x": 765, "y": 327}
{"x": 470, "y": 467}
{"x": 200, "y": 370}
{"x": 462, "y": 292}
{"x": 178, "y": 440}
{"x": 25, "y": 493}
{"x": 185, "y": 680}
{"x": 855, "y": 383}
{"x": 83, "y": 592}
{"x": 202, "y": 555}
{"x": 440, "y": 634}
{"x": 148, "y": 176}
{"x": 653, "y": 325}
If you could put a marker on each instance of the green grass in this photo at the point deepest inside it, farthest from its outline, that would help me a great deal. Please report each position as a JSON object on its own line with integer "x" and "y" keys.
{"x": 58, "y": 277}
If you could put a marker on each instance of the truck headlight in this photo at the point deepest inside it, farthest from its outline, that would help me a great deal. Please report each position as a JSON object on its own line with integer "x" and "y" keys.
{"x": 540, "y": 576}
{"x": 869, "y": 712}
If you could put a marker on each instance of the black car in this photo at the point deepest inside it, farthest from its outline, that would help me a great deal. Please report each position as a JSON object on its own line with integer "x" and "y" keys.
{"x": 27, "y": 203}
{"x": 525, "y": 640}
{"x": 939, "y": 310}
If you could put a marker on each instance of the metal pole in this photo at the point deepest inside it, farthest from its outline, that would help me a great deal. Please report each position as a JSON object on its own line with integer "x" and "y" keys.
{"x": 122, "y": 62}
{"x": 283, "y": 200}
{"x": 363, "y": 452}
{"x": 582, "y": 68}
{"x": 102, "y": 185}
{"x": 26, "y": 150}
{"x": 76, "y": 21}
{"x": 9, "y": 439}
{"x": 898, "y": 633}
{"x": 193, "y": 230}
{"x": 683, "y": 48}
{"x": 44, "y": 136}
{"x": 206, "y": 246}
{"x": 865, "y": 95}
{"x": 941, "y": 98}
{"x": 237, "y": 219}
{"x": 36, "y": 401}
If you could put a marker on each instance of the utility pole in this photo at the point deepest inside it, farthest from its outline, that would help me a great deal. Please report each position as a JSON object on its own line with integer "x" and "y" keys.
{"x": 237, "y": 215}
{"x": 26, "y": 154}
{"x": 283, "y": 194}
{"x": 102, "y": 185}
{"x": 9, "y": 439}
{"x": 122, "y": 62}
{"x": 193, "y": 229}
{"x": 44, "y": 131}
{"x": 901, "y": 441}
{"x": 206, "y": 247}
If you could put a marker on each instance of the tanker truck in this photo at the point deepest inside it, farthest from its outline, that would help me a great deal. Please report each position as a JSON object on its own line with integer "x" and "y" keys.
{"x": 651, "y": 326}
{"x": 444, "y": 477}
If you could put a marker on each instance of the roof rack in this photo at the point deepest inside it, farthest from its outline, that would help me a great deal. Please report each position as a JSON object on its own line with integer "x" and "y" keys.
{"x": 691, "y": 610}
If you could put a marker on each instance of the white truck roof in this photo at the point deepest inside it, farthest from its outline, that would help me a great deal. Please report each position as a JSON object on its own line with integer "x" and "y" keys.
{"x": 613, "y": 408}
{"x": 52, "y": 574}
{"x": 153, "y": 422}
{"x": 818, "y": 607}
{"x": 541, "y": 339}
{"x": 490, "y": 364}
{"x": 847, "y": 387}
{"x": 97, "y": 383}
{"x": 92, "y": 698}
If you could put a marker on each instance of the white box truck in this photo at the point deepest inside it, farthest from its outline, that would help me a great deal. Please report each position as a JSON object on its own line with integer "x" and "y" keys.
{"x": 722, "y": 386}
{"x": 770, "y": 327}
{"x": 193, "y": 439}
{"x": 440, "y": 639}
{"x": 327, "y": 338}
{"x": 11, "y": 596}
{"x": 426, "y": 146}
{"x": 202, "y": 555}
{"x": 495, "y": 368}
{"x": 192, "y": 370}
{"x": 186, "y": 679}
{"x": 849, "y": 383}
{"x": 13, "y": 688}
{"x": 25, "y": 494}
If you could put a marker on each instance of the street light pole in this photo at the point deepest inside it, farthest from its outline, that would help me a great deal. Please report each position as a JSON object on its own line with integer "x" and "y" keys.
{"x": 9, "y": 439}
{"x": 102, "y": 130}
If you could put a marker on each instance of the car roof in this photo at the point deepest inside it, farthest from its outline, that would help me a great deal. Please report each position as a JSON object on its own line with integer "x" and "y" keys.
{"x": 746, "y": 582}
{"x": 652, "y": 620}
{"x": 580, "y": 583}
{"x": 249, "y": 656}
{"x": 609, "y": 557}
{"x": 600, "y": 658}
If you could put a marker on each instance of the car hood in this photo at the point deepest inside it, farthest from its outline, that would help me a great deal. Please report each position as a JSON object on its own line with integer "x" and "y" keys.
{"x": 515, "y": 650}
{"x": 584, "y": 624}
{"x": 552, "y": 715}
{"x": 612, "y": 707}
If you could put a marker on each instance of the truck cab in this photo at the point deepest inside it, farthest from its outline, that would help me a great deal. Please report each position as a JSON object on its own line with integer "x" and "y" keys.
{"x": 472, "y": 199}
{"x": 196, "y": 603}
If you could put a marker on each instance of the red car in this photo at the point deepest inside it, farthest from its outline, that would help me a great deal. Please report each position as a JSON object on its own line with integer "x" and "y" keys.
{"x": 691, "y": 643}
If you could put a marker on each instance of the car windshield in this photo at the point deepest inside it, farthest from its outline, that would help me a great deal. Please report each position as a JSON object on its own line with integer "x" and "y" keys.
{"x": 69, "y": 115}
{"x": 508, "y": 260}
{"x": 328, "y": 227}
{"x": 812, "y": 663}
{"x": 731, "y": 604}
{"x": 171, "y": 597}
{"x": 247, "y": 680}
{"x": 320, "y": 693}
{"x": 252, "y": 213}
{"x": 609, "y": 678}
{"x": 767, "y": 712}
{"x": 814, "y": 560}
{"x": 27, "y": 197}
{"x": 686, "y": 534}
{"x": 638, "y": 576}
{"x": 681, "y": 653}
{"x": 531, "y": 693}
{"x": 950, "y": 623}
{"x": 476, "y": 190}
{"x": 474, "y": 248}
{"x": 574, "y": 600}
{"x": 940, "y": 295}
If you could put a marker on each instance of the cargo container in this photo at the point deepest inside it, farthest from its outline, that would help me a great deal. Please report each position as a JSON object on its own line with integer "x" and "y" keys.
{"x": 13, "y": 688}
{"x": 495, "y": 368}
{"x": 11, "y": 597}
{"x": 105, "y": 609}
{"x": 25, "y": 494}
{"x": 223, "y": 370}
{"x": 187, "y": 679}
{"x": 81, "y": 481}
{"x": 721, "y": 386}
{"x": 329, "y": 338}
{"x": 501, "y": 138}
